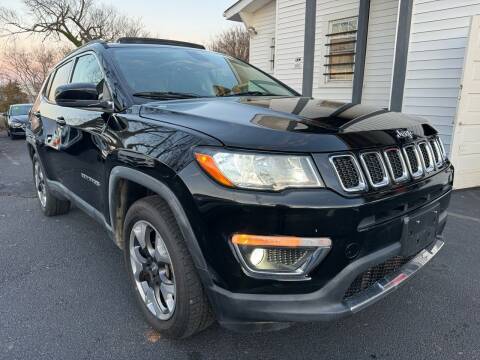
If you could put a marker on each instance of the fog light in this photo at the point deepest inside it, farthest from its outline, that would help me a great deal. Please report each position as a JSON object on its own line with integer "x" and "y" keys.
{"x": 257, "y": 256}
{"x": 279, "y": 257}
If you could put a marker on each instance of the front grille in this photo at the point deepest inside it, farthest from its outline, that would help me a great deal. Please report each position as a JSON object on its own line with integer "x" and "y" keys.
{"x": 348, "y": 172}
{"x": 441, "y": 148}
{"x": 376, "y": 273}
{"x": 435, "y": 152}
{"x": 396, "y": 164}
{"x": 375, "y": 169}
{"x": 382, "y": 167}
{"x": 426, "y": 156}
{"x": 411, "y": 154}
{"x": 285, "y": 256}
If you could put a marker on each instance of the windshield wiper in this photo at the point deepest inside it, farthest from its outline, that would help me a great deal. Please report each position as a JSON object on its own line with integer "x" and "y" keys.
{"x": 251, "y": 93}
{"x": 166, "y": 95}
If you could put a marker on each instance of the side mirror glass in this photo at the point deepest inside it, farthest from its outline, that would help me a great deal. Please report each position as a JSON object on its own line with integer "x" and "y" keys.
{"x": 81, "y": 95}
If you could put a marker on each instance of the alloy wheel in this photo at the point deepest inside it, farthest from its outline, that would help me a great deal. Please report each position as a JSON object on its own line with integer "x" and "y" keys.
{"x": 152, "y": 270}
{"x": 40, "y": 184}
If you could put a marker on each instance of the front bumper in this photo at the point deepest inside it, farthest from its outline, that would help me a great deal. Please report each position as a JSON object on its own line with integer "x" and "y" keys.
{"x": 376, "y": 223}
{"x": 246, "y": 311}
{"x": 17, "y": 130}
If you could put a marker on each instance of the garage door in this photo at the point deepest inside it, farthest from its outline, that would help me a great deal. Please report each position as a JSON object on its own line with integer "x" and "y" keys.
{"x": 466, "y": 141}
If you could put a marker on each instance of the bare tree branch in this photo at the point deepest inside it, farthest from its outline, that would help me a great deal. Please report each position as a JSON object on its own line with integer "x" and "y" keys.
{"x": 30, "y": 67}
{"x": 77, "y": 21}
{"x": 234, "y": 42}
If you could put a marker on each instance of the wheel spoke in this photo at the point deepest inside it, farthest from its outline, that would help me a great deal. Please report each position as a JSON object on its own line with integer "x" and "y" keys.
{"x": 167, "y": 290}
{"x": 137, "y": 261}
{"x": 160, "y": 253}
{"x": 140, "y": 231}
{"x": 151, "y": 301}
{"x": 168, "y": 294}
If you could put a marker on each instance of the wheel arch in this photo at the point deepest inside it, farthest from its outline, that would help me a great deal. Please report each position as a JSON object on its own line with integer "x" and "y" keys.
{"x": 31, "y": 150}
{"x": 117, "y": 204}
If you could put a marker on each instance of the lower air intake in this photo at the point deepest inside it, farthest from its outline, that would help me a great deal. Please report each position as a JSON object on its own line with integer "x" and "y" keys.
{"x": 286, "y": 256}
{"x": 375, "y": 273}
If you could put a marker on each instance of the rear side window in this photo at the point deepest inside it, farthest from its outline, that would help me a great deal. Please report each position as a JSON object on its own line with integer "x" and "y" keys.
{"x": 61, "y": 77}
{"x": 87, "y": 70}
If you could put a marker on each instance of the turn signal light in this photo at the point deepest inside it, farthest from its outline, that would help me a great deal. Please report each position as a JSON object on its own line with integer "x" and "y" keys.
{"x": 279, "y": 241}
{"x": 208, "y": 164}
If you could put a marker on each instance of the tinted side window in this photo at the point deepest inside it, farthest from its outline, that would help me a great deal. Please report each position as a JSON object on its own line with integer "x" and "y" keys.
{"x": 87, "y": 70}
{"x": 61, "y": 78}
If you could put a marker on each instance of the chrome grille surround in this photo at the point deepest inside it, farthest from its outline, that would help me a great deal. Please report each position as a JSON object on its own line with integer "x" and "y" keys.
{"x": 361, "y": 186}
{"x": 393, "y": 167}
{"x": 366, "y": 160}
{"x": 442, "y": 148}
{"x": 411, "y": 156}
{"x": 389, "y": 165}
{"x": 437, "y": 152}
{"x": 426, "y": 156}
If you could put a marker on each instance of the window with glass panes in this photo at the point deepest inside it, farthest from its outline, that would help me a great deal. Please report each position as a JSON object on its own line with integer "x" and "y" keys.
{"x": 340, "y": 58}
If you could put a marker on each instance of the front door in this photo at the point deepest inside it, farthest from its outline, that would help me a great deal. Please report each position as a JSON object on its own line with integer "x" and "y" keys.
{"x": 82, "y": 146}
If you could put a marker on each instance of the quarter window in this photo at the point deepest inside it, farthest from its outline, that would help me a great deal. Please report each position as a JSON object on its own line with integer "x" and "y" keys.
{"x": 87, "y": 70}
{"x": 60, "y": 78}
{"x": 340, "y": 58}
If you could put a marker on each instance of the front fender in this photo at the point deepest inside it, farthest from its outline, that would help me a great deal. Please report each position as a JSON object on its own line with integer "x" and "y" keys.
{"x": 158, "y": 187}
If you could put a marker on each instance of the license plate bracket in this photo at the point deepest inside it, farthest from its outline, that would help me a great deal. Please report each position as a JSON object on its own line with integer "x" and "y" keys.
{"x": 419, "y": 230}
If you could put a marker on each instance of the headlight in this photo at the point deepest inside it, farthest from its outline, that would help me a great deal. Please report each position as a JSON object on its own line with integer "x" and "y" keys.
{"x": 259, "y": 171}
{"x": 16, "y": 125}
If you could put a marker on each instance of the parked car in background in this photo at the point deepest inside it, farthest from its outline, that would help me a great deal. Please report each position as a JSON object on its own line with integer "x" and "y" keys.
{"x": 17, "y": 117}
{"x": 233, "y": 197}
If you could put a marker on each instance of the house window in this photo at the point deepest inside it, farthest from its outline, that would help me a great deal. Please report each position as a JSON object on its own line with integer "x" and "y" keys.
{"x": 340, "y": 58}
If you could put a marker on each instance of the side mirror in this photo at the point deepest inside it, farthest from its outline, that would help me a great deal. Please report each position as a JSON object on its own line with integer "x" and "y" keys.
{"x": 81, "y": 95}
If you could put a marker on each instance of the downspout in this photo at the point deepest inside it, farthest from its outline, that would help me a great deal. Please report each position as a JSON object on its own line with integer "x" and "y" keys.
{"x": 401, "y": 54}
{"x": 360, "y": 51}
{"x": 309, "y": 47}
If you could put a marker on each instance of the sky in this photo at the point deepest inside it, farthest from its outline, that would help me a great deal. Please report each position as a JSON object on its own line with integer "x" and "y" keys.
{"x": 187, "y": 20}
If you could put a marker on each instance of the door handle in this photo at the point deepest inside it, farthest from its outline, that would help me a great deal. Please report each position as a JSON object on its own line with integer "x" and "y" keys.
{"x": 61, "y": 120}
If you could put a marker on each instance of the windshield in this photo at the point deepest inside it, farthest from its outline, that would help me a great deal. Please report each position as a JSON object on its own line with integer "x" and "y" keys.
{"x": 17, "y": 110}
{"x": 166, "y": 71}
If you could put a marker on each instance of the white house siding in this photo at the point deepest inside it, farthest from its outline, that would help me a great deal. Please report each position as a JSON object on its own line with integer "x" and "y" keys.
{"x": 438, "y": 40}
{"x": 328, "y": 10}
{"x": 289, "y": 42}
{"x": 263, "y": 20}
{"x": 382, "y": 29}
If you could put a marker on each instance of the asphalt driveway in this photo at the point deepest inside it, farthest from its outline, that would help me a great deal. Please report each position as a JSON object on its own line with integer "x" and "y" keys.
{"x": 64, "y": 295}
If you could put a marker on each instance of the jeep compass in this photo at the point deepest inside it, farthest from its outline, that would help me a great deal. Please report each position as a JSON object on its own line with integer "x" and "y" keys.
{"x": 233, "y": 197}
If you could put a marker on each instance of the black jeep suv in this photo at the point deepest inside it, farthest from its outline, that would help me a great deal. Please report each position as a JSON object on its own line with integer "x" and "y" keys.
{"x": 233, "y": 197}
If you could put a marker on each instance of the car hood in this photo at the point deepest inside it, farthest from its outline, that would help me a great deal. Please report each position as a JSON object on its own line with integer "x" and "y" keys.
{"x": 19, "y": 118}
{"x": 290, "y": 124}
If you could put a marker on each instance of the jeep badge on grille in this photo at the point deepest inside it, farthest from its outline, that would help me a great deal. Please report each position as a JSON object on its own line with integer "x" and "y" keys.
{"x": 402, "y": 134}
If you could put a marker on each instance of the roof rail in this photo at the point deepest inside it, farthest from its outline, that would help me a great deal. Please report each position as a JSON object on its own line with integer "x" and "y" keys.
{"x": 142, "y": 40}
{"x": 98, "y": 41}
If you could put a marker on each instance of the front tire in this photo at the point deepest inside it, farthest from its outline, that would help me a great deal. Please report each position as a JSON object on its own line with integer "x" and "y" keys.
{"x": 161, "y": 271}
{"x": 50, "y": 205}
